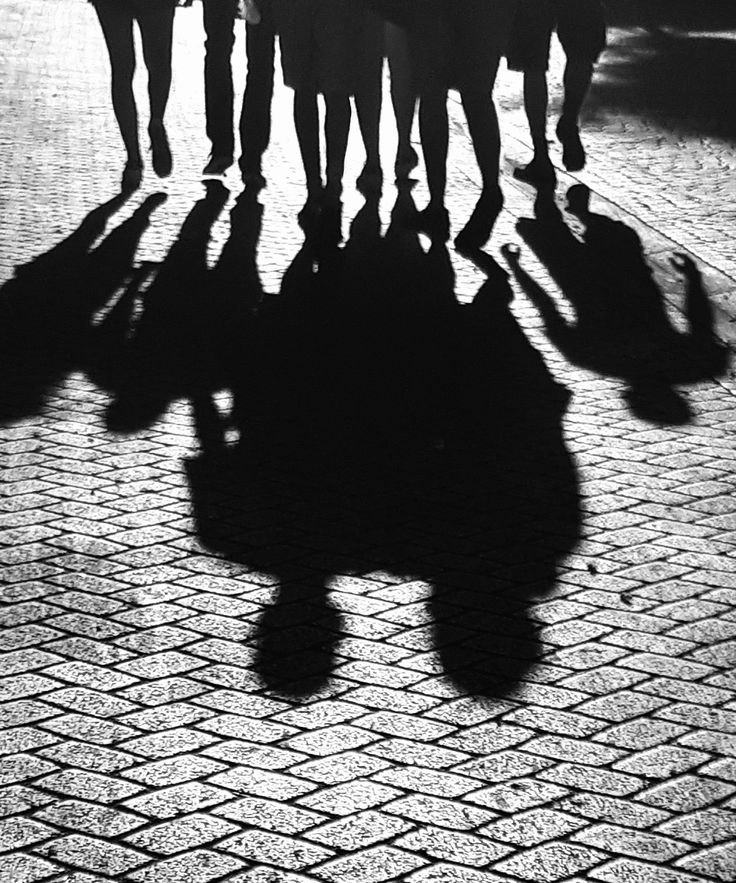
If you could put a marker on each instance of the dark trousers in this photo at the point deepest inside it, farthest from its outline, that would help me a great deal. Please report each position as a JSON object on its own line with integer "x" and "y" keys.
{"x": 255, "y": 117}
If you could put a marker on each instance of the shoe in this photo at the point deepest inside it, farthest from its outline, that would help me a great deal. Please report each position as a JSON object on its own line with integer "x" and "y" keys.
{"x": 538, "y": 173}
{"x": 477, "y": 231}
{"x": 370, "y": 181}
{"x": 218, "y": 164}
{"x": 132, "y": 175}
{"x": 161, "y": 158}
{"x": 434, "y": 222}
{"x": 573, "y": 153}
{"x": 253, "y": 178}
{"x": 406, "y": 162}
{"x": 330, "y": 223}
{"x": 309, "y": 213}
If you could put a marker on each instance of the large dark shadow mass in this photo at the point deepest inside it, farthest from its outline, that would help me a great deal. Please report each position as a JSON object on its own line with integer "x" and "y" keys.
{"x": 382, "y": 426}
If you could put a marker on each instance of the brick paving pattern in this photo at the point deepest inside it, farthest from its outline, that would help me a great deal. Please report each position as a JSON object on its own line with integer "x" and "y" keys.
{"x": 265, "y": 615}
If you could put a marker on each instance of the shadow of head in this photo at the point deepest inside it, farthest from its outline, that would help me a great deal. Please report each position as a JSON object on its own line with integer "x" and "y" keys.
{"x": 385, "y": 428}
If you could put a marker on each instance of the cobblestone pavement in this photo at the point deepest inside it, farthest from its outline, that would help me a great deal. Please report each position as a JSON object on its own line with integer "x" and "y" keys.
{"x": 382, "y": 571}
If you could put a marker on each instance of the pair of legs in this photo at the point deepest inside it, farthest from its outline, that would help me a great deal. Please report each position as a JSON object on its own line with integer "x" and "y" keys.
{"x": 337, "y": 127}
{"x": 577, "y": 78}
{"x": 255, "y": 117}
{"x": 155, "y": 22}
{"x": 581, "y": 30}
{"x": 392, "y": 40}
{"x": 462, "y": 49}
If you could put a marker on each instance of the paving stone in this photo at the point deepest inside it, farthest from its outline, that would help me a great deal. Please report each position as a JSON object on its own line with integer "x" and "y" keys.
{"x": 687, "y": 793}
{"x": 178, "y": 799}
{"x": 261, "y": 783}
{"x": 89, "y": 818}
{"x": 346, "y": 799}
{"x": 93, "y": 854}
{"x": 533, "y": 827}
{"x": 19, "y": 767}
{"x": 359, "y": 831}
{"x": 91, "y": 757}
{"x": 445, "y": 873}
{"x": 199, "y": 866}
{"x": 275, "y": 849}
{"x": 182, "y": 834}
{"x": 627, "y": 870}
{"x": 615, "y": 839}
{"x": 371, "y": 866}
{"x": 550, "y": 862}
{"x": 437, "y": 811}
{"x": 15, "y": 833}
{"x": 22, "y": 868}
{"x": 467, "y": 849}
{"x": 173, "y": 770}
{"x": 271, "y": 815}
{"x": 90, "y": 786}
{"x": 717, "y": 862}
{"x": 16, "y": 799}
{"x": 340, "y": 768}
{"x": 706, "y": 827}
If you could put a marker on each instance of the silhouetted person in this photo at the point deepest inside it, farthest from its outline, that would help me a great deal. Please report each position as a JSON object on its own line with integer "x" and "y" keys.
{"x": 581, "y": 31}
{"x": 255, "y": 117}
{"x": 46, "y": 309}
{"x": 155, "y": 19}
{"x": 459, "y": 43}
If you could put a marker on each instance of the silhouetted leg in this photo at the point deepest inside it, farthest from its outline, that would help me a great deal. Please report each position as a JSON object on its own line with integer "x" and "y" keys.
{"x": 156, "y": 26}
{"x": 480, "y": 112}
{"x": 117, "y": 29}
{"x": 433, "y": 129}
{"x": 368, "y": 107}
{"x": 306, "y": 123}
{"x": 218, "y": 80}
{"x": 576, "y": 81}
{"x": 539, "y": 171}
{"x": 255, "y": 118}
{"x": 403, "y": 98}
{"x": 337, "y": 127}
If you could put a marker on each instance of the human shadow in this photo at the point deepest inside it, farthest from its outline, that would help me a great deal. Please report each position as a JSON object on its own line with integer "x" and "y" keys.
{"x": 47, "y": 308}
{"x": 382, "y": 426}
{"x": 156, "y": 345}
{"x": 621, "y": 326}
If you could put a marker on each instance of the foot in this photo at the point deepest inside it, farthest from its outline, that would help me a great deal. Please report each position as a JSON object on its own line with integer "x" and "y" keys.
{"x": 434, "y": 220}
{"x": 539, "y": 173}
{"x": 477, "y": 231}
{"x": 161, "y": 158}
{"x": 370, "y": 180}
{"x": 309, "y": 213}
{"x": 407, "y": 160}
{"x": 253, "y": 178}
{"x": 573, "y": 153}
{"x": 132, "y": 175}
{"x": 330, "y": 222}
{"x": 217, "y": 164}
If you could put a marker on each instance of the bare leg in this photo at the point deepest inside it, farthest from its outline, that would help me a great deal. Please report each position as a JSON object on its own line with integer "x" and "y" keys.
{"x": 117, "y": 29}
{"x": 368, "y": 107}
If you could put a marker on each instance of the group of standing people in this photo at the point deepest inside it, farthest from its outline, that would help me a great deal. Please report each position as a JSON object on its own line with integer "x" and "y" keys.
{"x": 336, "y": 49}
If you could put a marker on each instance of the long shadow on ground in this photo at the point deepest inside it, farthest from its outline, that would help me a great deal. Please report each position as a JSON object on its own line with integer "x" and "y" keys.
{"x": 384, "y": 427}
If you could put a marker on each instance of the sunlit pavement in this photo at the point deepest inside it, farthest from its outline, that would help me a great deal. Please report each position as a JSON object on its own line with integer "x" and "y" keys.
{"x": 506, "y": 659}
